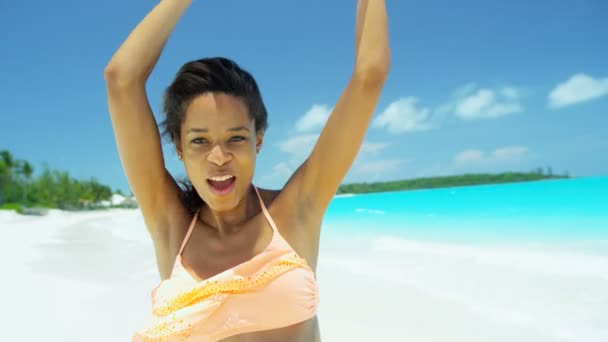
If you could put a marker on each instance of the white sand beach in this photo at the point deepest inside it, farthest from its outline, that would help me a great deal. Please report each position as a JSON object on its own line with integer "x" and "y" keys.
{"x": 87, "y": 277}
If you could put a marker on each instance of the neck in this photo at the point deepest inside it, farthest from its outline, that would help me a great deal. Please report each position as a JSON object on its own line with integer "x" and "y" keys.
{"x": 231, "y": 221}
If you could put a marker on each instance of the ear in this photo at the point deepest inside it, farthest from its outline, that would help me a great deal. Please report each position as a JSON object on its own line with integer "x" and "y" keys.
{"x": 259, "y": 140}
{"x": 178, "y": 150}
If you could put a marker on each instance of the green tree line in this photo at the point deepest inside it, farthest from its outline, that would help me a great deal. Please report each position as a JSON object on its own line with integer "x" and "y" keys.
{"x": 448, "y": 181}
{"x": 50, "y": 189}
{"x": 56, "y": 189}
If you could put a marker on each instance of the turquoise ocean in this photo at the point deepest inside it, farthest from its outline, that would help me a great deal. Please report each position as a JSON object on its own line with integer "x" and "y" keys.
{"x": 529, "y": 257}
{"x": 561, "y": 213}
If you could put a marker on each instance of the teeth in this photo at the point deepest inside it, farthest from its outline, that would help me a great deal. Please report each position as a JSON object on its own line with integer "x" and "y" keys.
{"x": 221, "y": 178}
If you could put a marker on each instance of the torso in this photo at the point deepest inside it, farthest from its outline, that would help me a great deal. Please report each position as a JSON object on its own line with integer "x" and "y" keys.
{"x": 205, "y": 255}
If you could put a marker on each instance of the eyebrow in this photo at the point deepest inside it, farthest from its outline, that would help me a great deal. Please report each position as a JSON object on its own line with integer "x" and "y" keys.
{"x": 205, "y": 130}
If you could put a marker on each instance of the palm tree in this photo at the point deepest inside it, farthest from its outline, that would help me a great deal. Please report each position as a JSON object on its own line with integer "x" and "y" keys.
{"x": 7, "y": 157}
{"x": 3, "y": 173}
{"x": 27, "y": 170}
{"x": 7, "y": 164}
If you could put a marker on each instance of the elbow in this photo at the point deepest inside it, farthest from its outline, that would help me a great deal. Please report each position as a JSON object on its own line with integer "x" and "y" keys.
{"x": 110, "y": 73}
{"x": 373, "y": 74}
{"x": 115, "y": 75}
{"x": 374, "y": 68}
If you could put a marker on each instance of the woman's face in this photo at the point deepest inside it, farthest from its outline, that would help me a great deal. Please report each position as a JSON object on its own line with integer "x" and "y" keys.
{"x": 219, "y": 146}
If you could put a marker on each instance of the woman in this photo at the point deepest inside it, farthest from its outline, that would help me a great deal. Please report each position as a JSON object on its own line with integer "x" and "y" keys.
{"x": 237, "y": 263}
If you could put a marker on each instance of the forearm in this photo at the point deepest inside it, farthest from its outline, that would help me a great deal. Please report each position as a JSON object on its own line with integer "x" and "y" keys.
{"x": 139, "y": 53}
{"x": 372, "y": 52}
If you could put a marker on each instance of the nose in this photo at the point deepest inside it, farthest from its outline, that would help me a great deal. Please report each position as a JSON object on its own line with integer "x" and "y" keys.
{"x": 218, "y": 156}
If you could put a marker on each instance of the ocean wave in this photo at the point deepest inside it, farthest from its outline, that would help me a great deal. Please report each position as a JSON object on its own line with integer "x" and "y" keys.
{"x": 344, "y": 195}
{"x": 525, "y": 259}
{"x": 370, "y": 211}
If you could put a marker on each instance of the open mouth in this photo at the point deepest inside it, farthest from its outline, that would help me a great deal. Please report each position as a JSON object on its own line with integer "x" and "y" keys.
{"x": 221, "y": 185}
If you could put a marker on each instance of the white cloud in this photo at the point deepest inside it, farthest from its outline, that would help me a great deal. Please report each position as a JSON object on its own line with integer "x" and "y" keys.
{"x": 510, "y": 93}
{"x": 470, "y": 106}
{"x": 280, "y": 172}
{"x": 469, "y": 156}
{"x": 472, "y": 103}
{"x": 499, "y": 155}
{"x": 316, "y": 117}
{"x": 372, "y": 148}
{"x": 487, "y": 104}
{"x": 579, "y": 88}
{"x": 403, "y": 116}
{"x": 366, "y": 168}
{"x": 299, "y": 145}
{"x": 468, "y": 102}
{"x": 282, "y": 169}
{"x": 501, "y": 109}
{"x": 509, "y": 152}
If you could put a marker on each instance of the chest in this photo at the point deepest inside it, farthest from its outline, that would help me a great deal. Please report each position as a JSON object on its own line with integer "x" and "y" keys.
{"x": 206, "y": 255}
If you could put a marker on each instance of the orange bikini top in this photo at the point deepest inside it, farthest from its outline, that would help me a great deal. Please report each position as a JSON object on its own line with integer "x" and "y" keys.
{"x": 274, "y": 289}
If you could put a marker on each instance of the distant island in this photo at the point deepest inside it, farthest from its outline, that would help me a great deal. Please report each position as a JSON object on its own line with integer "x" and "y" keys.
{"x": 22, "y": 192}
{"x": 448, "y": 181}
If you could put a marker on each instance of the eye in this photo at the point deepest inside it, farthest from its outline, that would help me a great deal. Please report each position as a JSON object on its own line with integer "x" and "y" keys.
{"x": 199, "y": 140}
{"x": 237, "y": 138}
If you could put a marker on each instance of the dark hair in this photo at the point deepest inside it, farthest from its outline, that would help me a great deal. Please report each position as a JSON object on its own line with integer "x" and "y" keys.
{"x": 217, "y": 74}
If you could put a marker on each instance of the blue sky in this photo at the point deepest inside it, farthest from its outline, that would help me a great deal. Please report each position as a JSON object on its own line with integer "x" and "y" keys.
{"x": 475, "y": 86}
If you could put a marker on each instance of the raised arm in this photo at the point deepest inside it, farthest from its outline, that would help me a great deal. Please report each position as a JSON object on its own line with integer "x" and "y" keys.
{"x": 136, "y": 134}
{"x": 134, "y": 60}
{"x": 342, "y": 136}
